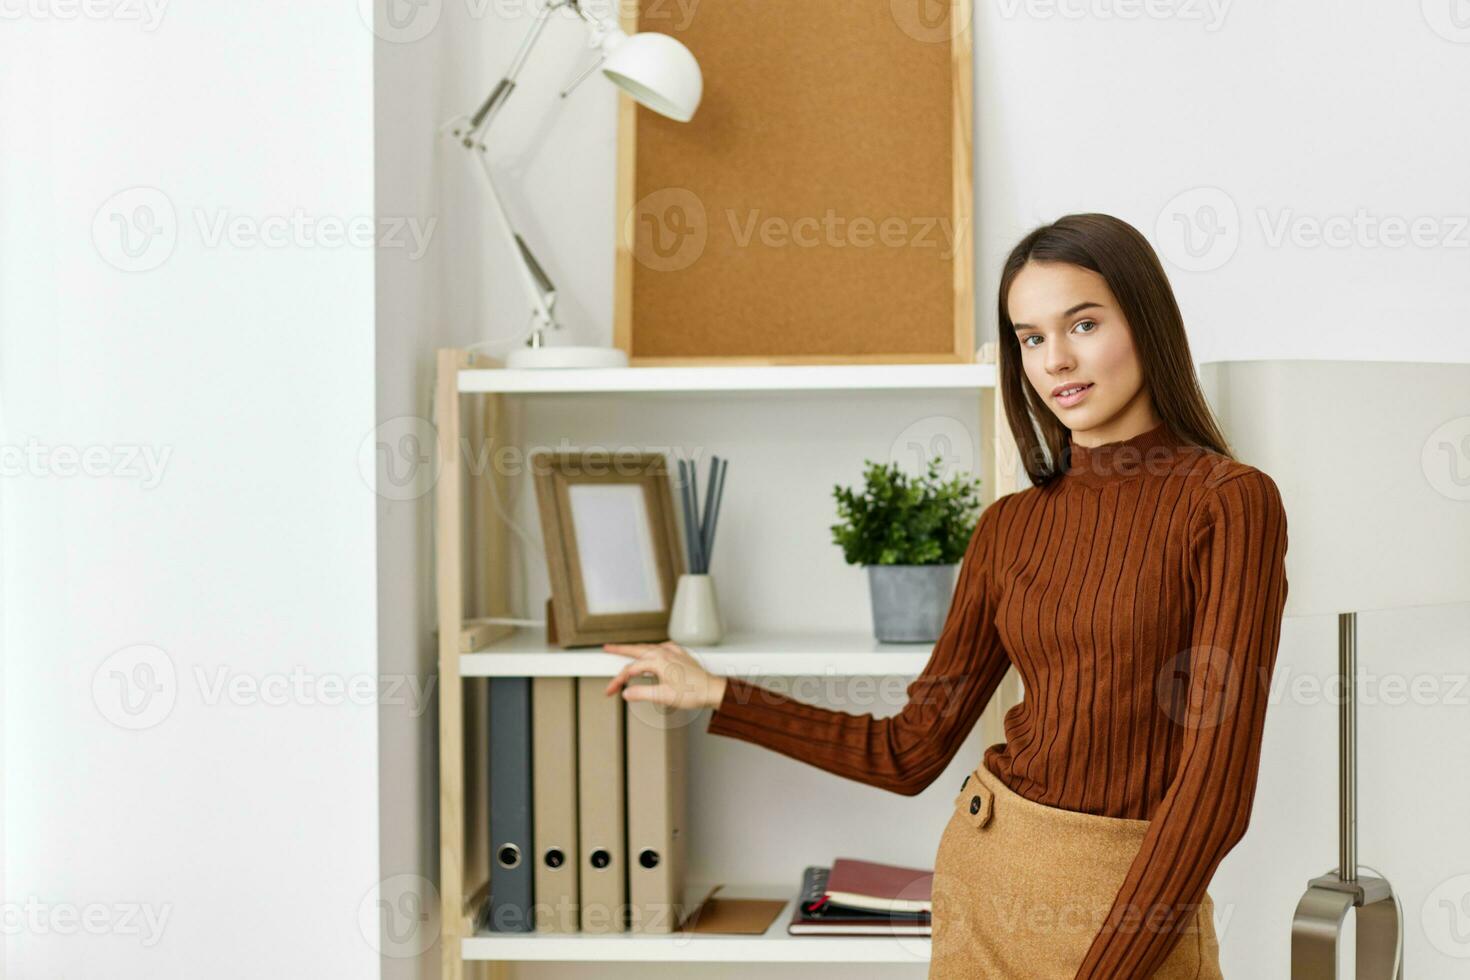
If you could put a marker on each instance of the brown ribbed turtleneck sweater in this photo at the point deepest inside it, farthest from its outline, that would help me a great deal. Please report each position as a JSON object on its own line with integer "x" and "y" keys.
{"x": 1139, "y": 594}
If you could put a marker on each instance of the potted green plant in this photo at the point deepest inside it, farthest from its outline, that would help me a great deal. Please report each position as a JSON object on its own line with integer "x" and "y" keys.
{"x": 910, "y": 533}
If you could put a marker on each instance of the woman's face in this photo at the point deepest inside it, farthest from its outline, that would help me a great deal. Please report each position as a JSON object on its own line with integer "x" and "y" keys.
{"x": 1072, "y": 333}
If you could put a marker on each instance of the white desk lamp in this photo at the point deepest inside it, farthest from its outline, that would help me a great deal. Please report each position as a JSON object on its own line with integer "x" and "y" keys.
{"x": 658, "y": 72}
{"x": 1373, "y": 462}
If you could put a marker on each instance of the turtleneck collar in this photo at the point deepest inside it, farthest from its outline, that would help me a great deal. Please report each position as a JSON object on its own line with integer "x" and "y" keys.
{"x": 1151, "y": 452}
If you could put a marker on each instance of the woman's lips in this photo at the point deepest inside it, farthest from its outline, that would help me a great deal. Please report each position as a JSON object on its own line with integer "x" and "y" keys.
{"x": 1067, "y": 401}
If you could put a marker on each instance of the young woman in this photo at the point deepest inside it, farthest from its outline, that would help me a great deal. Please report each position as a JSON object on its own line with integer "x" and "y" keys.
{"x": 1138, "y": 588}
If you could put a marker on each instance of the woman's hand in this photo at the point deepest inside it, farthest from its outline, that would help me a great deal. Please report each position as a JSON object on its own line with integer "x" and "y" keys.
{"x": 682, "y": 682}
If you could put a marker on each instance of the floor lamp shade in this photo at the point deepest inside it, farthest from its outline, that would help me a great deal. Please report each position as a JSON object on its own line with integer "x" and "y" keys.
{"x": 1372, "y": 459}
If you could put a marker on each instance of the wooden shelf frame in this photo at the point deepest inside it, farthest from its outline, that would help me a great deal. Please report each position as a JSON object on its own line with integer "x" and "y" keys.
{"x": 471, "y": 649}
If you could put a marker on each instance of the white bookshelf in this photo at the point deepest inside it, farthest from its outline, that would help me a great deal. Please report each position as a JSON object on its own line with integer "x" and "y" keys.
{"x": 715, "y": 379}
{"x": 471, "y": 649}
{"x": 775, "y": 945}
{"x": 852, "y": 653}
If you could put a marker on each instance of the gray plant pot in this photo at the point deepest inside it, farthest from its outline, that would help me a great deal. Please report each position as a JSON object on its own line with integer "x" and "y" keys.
{"x": 910, "y": 602}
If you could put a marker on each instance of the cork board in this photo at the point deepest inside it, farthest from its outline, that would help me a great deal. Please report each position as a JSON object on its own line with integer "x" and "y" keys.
{"x": 817, "y": 208}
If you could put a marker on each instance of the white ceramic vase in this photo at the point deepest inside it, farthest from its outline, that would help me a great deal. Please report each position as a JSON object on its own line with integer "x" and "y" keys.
{"x": 695, "y": 617}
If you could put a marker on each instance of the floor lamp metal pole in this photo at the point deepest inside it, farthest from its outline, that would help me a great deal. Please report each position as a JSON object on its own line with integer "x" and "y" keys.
{"x": 1316, "y": 929}
{"x": 1347, "y": 747}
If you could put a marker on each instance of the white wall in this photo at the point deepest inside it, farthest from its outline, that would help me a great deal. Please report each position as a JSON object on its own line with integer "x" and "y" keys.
{"x": 421, "y": 184}
{"x": 1305, "y": 116}
{"x": 206, "y": 831}
{"x": 1301, "y": 113}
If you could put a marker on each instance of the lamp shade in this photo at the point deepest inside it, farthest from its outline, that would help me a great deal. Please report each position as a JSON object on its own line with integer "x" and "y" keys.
{"x": 1372, "y": 459}
{"x": 656, "y": 70}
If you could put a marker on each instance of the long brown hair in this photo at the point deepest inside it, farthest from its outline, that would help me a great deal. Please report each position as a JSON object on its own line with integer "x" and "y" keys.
{"x": 1116, "y": 251}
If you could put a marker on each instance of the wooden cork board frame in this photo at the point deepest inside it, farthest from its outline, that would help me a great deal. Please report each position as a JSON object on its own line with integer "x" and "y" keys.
{"x": 818, "y": 207}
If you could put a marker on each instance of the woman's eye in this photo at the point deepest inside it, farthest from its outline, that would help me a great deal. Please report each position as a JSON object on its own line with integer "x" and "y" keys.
{"x": 1092, "y": 322}
{"x": 1029, "y": 338}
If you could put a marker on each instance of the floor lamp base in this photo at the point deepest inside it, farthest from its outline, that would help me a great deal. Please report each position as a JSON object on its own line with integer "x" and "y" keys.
{"x": 1316, "y": 929}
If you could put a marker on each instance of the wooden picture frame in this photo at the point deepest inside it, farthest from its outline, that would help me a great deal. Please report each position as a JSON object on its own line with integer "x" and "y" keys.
{"x": 828, "y": 109}
{"x": 612, "y": 545}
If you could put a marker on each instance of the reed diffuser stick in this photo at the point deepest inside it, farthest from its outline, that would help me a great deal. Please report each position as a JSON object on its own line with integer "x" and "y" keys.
{"x": 704, "y": 528}
{"x": 712, "y": 505}
{"x": 689, "y": 544}
{"x": 698, "y": 564}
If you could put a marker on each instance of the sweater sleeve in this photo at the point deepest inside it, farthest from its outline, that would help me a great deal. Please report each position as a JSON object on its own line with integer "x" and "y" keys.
{"x": 906, "y": 752}
{"x": 1237, "y": 567}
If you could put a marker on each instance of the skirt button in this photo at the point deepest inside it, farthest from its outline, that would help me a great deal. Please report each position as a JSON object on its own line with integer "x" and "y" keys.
{"x": 982, "y": 808}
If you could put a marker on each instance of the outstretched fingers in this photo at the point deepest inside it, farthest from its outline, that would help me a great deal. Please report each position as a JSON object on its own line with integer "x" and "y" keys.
{"x": 646, "y": 661}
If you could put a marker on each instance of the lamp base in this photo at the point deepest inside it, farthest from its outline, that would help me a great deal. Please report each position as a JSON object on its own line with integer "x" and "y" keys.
{"x": 566, "y": 357}
{"x": 1316, "y": 929}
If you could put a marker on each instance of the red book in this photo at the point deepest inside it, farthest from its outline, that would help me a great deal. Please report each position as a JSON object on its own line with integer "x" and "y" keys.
{"x": 879, "y": 887}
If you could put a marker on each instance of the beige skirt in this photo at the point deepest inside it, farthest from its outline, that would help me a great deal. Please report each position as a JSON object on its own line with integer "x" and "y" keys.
{"x": 1021, "y": 890}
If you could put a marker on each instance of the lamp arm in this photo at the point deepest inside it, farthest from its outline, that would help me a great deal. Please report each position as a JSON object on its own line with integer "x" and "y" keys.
{"x": 538, "y": 285}
{"x": 491, "y": 106}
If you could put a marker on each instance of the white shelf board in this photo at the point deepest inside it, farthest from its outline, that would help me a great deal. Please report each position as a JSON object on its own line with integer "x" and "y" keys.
{"x": 715, "y": 378}
{"x": 851, "y": 653}
{"x": 775, "y": 945}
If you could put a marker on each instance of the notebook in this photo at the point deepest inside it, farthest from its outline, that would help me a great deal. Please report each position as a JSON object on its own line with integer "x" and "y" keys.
{"x": 879, "y": 887}
{"x": 815, "y": 914}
